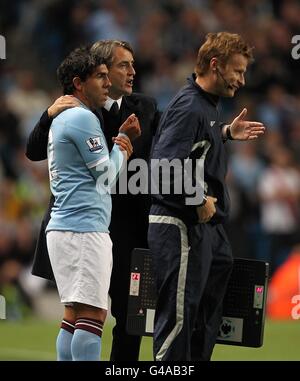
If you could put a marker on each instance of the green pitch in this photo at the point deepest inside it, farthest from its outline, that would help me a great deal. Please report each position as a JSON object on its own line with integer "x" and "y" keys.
{"x": 35, "y": 340}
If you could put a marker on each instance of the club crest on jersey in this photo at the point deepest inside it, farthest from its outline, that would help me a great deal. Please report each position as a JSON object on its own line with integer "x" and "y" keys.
{"x": 94, "y": 144}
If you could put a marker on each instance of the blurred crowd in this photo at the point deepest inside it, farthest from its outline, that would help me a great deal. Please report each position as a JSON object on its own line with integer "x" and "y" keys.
{"x": 263, "y": 177}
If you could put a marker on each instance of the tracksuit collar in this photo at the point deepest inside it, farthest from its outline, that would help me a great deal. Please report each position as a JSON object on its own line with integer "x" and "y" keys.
{"x": 212, "y": 98}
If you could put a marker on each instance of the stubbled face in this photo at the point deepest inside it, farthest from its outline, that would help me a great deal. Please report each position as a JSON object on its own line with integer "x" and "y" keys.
{"x": 96, "y": 87}
{"x": 231, "y": 77}
{"x": 121, "y": 73}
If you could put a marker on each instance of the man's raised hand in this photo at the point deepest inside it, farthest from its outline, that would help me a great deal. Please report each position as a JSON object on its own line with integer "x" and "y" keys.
{"x": 131, "y": 127}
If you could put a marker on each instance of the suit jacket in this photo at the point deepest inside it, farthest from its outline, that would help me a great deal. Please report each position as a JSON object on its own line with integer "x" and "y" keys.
{"x": 129, "y": 221}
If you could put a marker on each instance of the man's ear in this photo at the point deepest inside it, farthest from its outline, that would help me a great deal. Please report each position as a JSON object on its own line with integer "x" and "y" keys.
{"x": 77, "y": 83}
{"x": 213, "y": 64}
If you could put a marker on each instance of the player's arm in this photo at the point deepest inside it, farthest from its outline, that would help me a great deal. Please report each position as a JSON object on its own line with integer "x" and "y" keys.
{"x": 121, "y": 150}
{"x": 36, "y": 148}
{"x": 85, "y": 132}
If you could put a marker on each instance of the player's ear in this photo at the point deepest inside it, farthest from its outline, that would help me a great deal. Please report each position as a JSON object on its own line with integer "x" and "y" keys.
{"x": 77, "y": 83}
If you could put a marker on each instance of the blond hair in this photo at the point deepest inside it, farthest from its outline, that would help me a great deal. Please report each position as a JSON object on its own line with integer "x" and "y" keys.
{"x": 221, "y": 45}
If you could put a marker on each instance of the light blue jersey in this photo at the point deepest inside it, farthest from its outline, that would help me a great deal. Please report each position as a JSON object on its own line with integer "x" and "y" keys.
{"x": 80, "y": 168}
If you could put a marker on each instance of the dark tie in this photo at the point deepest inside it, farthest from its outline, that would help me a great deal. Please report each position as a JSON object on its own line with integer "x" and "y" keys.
{"x": 114, "y": 110}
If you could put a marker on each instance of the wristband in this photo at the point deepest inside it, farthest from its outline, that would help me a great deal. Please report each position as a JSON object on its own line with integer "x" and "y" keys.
{"x": 122, "y": 134}
{"x": 228, "y": 133}
{"x": 204, "y": 200}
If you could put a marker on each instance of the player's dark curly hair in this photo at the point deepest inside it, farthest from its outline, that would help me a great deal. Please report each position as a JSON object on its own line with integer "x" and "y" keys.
{"x": 81, "y": 63}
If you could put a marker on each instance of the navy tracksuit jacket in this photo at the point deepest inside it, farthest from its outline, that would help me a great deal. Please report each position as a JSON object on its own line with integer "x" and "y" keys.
{"x": 192, "y": 261}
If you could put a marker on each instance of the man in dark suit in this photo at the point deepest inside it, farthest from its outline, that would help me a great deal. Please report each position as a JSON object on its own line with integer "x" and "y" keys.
{"x": 129, "y": 221}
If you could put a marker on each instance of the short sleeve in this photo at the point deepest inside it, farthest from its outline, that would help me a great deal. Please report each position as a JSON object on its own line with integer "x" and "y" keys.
{"x": 85, "y": 132}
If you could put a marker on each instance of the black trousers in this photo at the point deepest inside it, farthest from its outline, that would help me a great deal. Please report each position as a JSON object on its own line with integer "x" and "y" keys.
{"x": 124, "y": 347}
{"x": 192, "y": 266}
{"x": 128, "y": 230}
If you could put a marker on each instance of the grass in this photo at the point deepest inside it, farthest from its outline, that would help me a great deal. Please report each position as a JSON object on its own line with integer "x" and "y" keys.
{"x": 35, "y": 340}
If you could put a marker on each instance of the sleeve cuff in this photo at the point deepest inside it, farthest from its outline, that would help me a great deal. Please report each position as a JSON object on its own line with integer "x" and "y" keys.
{"x": 45, "y": 120}
{"x": 204, "y": 200}
{"x": 120, "y": 134}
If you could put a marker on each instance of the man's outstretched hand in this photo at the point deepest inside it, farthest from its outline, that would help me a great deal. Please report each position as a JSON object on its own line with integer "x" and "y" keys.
{"x": 241, "y": 129}
{"x": 131, "y": 127}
